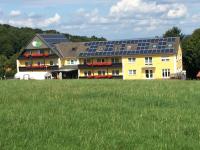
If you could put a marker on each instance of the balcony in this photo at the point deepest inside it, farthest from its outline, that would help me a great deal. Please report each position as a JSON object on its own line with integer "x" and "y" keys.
{"x": 39, "y": 68}
{"x": 28, "y": 56}
{"x": 102, "y": 77}
{"x": 99, "y": 64}
{"x": 35, "y": 55}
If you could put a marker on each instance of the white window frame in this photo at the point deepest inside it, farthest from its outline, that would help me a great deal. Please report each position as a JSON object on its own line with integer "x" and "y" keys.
{"x": 115, "y": 60}
{"x": 87, "y": 73}
{"x": 131, "y": 60}
{"x": 115, "y": 72}
{"x": 132, "y": 72}
{"x": 102, "y": 72}
{"x": 166, "y": 73}
{"x": 148, "y": 60}
{"x": 165, "y": 59}
{"x": 72, "y": 62}
{"x": 150, "y": 74}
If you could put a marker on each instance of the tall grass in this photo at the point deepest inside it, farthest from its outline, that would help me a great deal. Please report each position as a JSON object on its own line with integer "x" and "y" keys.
{"x": 99, "y": 114}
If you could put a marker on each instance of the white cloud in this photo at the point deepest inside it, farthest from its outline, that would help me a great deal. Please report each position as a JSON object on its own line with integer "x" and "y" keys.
{"x": 15, "y": 13}
{"x": 196, "y": 18}
{"x": 177, "y": 11}
{"x": 35, "y": 22}
{"x": 52, "y": 20}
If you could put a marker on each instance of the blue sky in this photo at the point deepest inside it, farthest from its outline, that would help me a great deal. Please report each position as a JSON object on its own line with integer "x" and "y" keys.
{"x": 113, "y": 19}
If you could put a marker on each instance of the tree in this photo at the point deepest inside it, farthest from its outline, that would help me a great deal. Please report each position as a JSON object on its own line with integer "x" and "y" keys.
{"x": 174, "y": 32}
{"x": 3, "y": 59}
{"x": 191, "y": 54}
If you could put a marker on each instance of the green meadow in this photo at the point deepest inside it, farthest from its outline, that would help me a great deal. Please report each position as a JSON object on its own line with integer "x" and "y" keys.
{"x": 99, "y": 114}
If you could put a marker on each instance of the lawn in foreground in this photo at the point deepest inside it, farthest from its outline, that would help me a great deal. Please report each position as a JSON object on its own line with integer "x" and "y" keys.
{"x": 99, "y": 114}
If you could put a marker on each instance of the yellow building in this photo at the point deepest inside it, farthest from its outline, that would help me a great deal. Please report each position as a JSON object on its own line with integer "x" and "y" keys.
{"x": 53, "y": 56}
{"x": 156, "y": 58}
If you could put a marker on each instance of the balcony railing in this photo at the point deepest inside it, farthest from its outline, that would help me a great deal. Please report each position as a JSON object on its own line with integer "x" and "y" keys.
{"x": 101, "y": 64}
{"x": 38, "y": 68}
{"x": 102, "y": 77}
{"x": 35, "y": 55}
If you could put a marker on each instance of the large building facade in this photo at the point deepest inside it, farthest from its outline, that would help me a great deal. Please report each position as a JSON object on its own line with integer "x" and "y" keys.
{"x": 53, "y": 56}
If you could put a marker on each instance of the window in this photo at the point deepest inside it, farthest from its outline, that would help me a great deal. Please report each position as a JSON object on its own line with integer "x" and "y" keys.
{"x": 165, "y": 73}
{"x": 27, "y": 63}
{"x": 87, "y": 73}
{"x": 149, "y": 74}
{"x": 85, "y": 61}
{"x": 165, "y": 59}
{"x": 101, "y": 72}
{"x": 50, "y": 52}
{"x": 115, "y": 60}
{"x": 132, "y": 72}
{"x": 51, "y": 63}
{"x": 39, "y": 63}
{"x": 71, "y": 62}
{"x": 100, "y": 60}
{"x": 148, "y": 60}
{"x": 131, "y": 60}
{"x": 40, "y": 52}
{"x": 115, "y": 72}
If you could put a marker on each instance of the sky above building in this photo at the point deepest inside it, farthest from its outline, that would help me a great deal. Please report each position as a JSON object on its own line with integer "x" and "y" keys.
{"x": 112, "y": 19}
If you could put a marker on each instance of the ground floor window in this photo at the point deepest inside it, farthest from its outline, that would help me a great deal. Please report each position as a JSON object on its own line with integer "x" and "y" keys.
{"x": 132, "y": 72}
{"x": 101, "y": 72}
{"x": 87, "y": 73}
{"x": 165, "y": 73}
{"x": 115, "y": 72}
{"x": 51, "y": 63}
{"x": 149, "y": 74}
{"x": 27, "y": 63}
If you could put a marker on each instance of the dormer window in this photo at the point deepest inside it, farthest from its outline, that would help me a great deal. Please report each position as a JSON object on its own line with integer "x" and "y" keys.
{"x": 74, "y": 48}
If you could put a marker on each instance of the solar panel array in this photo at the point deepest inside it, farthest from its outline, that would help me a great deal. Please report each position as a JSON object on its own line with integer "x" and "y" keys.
{"x": 143, "y": 46}
{"x": 54, "y": 38}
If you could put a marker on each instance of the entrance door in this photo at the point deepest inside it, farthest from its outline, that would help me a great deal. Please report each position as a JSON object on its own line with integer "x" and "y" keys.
{"x": 149, "y": 74}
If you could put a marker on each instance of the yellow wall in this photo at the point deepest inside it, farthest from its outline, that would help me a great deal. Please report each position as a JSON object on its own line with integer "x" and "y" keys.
{"x": 140, "y": 67}
{"x": 64, "y": 62}
{"x": 81, "y": 71}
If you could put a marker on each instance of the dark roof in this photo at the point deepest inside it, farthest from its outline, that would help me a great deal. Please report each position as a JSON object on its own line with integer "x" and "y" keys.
{"x": 53, "y": 38}
{"x": 149, "y": 46}
{"x": 70, "y": 49}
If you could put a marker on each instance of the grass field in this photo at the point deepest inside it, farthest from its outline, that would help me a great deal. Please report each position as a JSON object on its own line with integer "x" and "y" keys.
{"x": 99, "y": 114}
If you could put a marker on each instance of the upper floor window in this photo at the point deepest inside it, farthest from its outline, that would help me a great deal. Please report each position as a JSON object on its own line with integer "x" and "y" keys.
{"x": 100, "y": 60}
{"x": 85, "y": 61}
{"x": 71, "y": 62}
{"x": 51, "y": 63}
{"x": 115, "y": 60}
{"x": 132, "y": 72}
{"x": 131, "y": 60}
{"x": 165, "y": 59}
{"x": 148, "y": 60}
